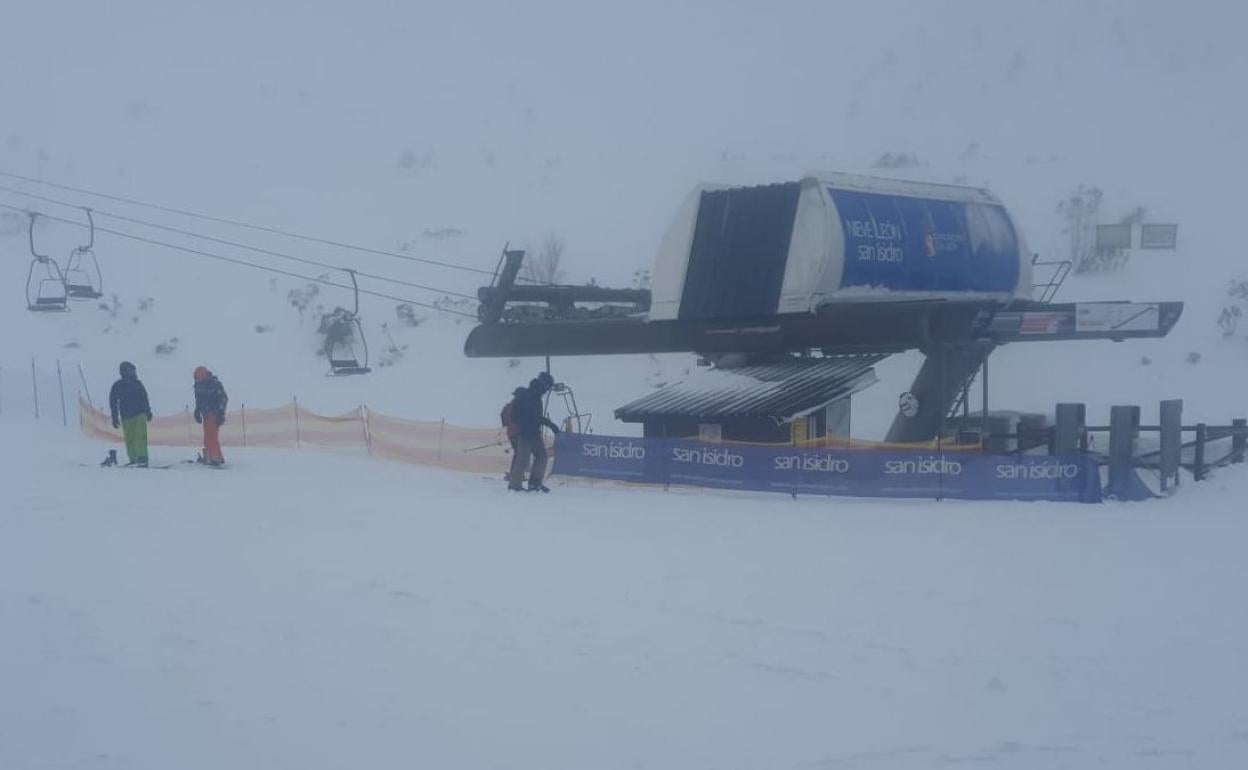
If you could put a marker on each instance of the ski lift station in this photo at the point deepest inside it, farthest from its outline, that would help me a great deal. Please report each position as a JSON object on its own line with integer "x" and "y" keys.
{"x": 796, "y": 289}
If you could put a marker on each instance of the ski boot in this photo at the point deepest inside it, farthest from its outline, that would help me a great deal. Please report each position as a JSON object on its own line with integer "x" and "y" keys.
{"x": 111, "y": 460}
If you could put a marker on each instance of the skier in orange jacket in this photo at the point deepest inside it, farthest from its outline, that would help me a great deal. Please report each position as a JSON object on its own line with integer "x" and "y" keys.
{"x": 210, "y": 403}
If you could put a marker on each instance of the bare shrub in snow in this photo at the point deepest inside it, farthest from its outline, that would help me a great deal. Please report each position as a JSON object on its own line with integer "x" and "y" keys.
{"x": 1080, "y": 212}
{"x": 1235, "y": 307}
{"x": 442, "y": 233}
{"x": 415, "y": 164}
{"x": 304, "y": 299}
{"x": 168, "y": 347}
{"x": 897, "y": 160}
{"x": 546, "y": 266}
{"x": 459, "y": 304}
{"x": 407, "y": 315}
{"x": 393, "y": 352}
{"x": 112, "y": 306}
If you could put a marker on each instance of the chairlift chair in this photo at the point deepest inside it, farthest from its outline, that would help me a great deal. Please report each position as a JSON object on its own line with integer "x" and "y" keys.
{"x": 342, "y": 358}
{"x": 576, "y": 421}
{"x": 45, "y": 291}
{"x": 83, "y": 279}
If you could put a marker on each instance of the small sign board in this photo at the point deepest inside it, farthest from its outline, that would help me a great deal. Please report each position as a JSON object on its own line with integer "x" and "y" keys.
{"x": 1117, "y": 317}
{"x": 712, "y": 432}
{"x": 1044, "y": 323}
{"x": 1159, "y": 236}
{"x": 1113, "y": 237}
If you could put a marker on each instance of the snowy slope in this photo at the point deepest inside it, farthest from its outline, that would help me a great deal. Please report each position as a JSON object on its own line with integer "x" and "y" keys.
{"x": 321, "y": 611}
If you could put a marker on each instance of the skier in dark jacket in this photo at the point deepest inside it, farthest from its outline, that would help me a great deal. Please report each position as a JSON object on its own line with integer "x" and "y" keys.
{"x": 529, "y": 415}
{"x": 131, "y": 412}
{"x": 508, "y": 416}
{"x": 210, "y": 403}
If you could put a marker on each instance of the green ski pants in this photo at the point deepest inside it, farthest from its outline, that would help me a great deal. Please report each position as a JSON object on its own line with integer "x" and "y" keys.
{"x": 135, "y": 431}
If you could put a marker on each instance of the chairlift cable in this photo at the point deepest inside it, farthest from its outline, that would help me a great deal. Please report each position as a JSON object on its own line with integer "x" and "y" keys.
{"x": 236, "y": 244}
{"x": 248, "y": 225}
{"x": 242, "y": 262}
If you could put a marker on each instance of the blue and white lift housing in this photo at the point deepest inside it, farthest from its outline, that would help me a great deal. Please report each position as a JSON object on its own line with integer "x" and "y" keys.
{"x": 756, "y": 252}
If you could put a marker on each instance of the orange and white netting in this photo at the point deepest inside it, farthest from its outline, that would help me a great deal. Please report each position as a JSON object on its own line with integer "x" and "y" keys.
{"x": 436, "y": 444}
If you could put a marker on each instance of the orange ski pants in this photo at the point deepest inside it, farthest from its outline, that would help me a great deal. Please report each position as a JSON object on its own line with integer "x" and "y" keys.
{"x": 212, "y": 441}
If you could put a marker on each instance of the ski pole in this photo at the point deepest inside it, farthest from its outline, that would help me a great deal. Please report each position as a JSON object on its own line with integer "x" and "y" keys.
{"x": 483, "y": 446}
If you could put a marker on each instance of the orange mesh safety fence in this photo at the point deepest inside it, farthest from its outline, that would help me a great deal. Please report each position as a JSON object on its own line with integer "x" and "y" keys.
{"x": 437, "y": 444}
{"x": 475, "y": 450}
{"x": 256, "y": 427}
{"x": 341, "y": 431}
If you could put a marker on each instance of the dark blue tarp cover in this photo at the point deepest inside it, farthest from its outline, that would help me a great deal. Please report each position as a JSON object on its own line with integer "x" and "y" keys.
{"x": 855, "y": 473}
{"x": 739, "y": 252}
{"x": 909, "y": 244}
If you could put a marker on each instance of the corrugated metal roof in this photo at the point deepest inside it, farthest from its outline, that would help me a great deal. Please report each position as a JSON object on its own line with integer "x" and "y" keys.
{"x": 781, "y": 390}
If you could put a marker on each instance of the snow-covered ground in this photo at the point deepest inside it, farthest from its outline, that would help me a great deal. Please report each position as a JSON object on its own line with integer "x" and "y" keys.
{"x": 317, "y": 610}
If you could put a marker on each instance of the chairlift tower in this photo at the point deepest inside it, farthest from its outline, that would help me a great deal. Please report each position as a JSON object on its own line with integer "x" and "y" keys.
{"x": 831, "y": 265}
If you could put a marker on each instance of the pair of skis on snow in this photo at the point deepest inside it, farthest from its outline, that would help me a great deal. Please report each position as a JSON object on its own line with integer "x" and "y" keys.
{"x": 111, "y": 461}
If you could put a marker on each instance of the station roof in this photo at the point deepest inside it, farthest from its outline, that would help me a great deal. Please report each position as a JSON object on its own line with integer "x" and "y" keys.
{"x": 781, "y": 390}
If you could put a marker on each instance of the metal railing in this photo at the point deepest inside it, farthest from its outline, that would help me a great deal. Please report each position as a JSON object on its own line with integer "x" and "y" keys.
{"x": 1060, "y": 269}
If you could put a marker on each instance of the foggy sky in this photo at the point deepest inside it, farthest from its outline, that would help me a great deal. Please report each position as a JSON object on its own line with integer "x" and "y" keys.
{"x": 374, "y": 121}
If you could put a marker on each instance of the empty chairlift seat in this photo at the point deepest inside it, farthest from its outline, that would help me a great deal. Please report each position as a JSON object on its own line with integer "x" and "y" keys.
{"x": 83, "y": 279}
{"x": 45, "y": 283}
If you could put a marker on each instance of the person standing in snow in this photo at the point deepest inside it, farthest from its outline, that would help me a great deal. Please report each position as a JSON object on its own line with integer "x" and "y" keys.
{"x": 529, "y": 415}
{"x": 131, "y": 412}
{"x": 507, "y": 416}
{"x": 210, "y": 403}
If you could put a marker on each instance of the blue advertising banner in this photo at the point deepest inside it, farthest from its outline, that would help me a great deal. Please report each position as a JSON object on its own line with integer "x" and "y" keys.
{"x": 920, "y": 245}
{"x": 855, "y": 473}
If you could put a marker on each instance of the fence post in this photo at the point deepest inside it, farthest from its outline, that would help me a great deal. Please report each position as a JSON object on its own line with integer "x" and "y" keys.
{"x": 298, "y": 439}
{"x": 1198, "y": 464}
{"x": 1171, "y": 455}
{"x": 60, "y": 384}
{"x": 368, "y": 432}
{"x": 85, "y": 389}
{"x": 441, "y": 431}
{"x": 34, "y": 386}
{"x": 190, "y": 432}
{"x": 1239, "y": 439}
{"x": 1124, "y": 422}
{"x": 242, "y": 413}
